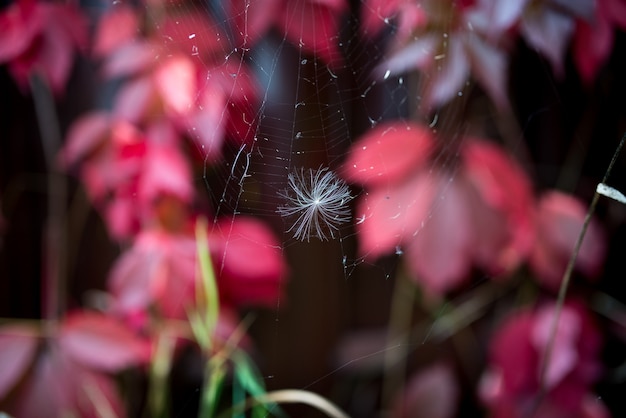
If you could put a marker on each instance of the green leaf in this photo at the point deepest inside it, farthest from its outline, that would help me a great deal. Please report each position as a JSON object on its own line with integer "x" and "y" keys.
{"x": 249, "y": 378}
{"x": 247, "y": 374}
{"x": 208, "y": 296}
{"x": 212, "y": 390}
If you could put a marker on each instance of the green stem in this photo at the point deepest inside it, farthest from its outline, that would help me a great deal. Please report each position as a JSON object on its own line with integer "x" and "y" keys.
{"x": 159, "y": 373}
{"x": 211, "y": 300}
{"x": 214, "y": 374}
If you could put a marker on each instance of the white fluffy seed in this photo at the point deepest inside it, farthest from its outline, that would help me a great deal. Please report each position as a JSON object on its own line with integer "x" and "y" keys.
{"x": 318, "y": 200}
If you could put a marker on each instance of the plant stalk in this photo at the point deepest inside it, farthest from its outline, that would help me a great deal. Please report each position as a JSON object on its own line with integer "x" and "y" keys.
{"x": 54, "y": 274}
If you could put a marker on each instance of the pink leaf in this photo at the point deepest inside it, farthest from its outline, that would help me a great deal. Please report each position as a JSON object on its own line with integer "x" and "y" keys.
{"x": 121, "y": 215}
{"x": 52, "y": 32}
{"x": 560, "y": 220}
{"x": 418, "y": 54}
{"x": 497, "y": 16}
{"x": 130, "y": 281}
{"x": 50, "y": 390}
{"x": 549, "y": 31}
{"x": 205, "y": 125}
{"x": 504, "y": 187}
{"x": 101, "y": 342}
{"x": 20, "y": 22}
{"x": 134, "y": 100}
{"x": 388, "y": 216}
{"x": 60, "y": 387}
{"x": 448, "y": 79}
{"x": 490, "y": 68}
{"x": 165, "y": 170}
{"x": 412, "y": 19}
{"x": 440, "y": 254}
{"x": 564, "y": 351}
{"x": 18, "y": 344}
{"x": 175, "y": 80}
{"x": 160, "y": 270}
{"x": 131, "y": 58}
{"x": 84, "y": 137}
{"x": 387, "y": 153}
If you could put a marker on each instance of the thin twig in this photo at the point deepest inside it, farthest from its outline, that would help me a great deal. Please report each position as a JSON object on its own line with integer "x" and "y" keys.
{"x": 567, "y": 278}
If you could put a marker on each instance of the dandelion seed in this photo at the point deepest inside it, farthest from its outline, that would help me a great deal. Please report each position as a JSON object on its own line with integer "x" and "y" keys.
{"x": 318, "y": 200}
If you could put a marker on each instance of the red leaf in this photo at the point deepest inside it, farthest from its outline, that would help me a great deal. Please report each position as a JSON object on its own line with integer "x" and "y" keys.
{"x": 253, "y": 18}
{"x": 193, "y": 34}
{"x": 593, "y": 40}
{"x": 592, "y": 46}
{"x": 440, "y": 254}
{"x": 20, "y": 22}
{"x": 387, "y": 153}
{"x": 51, "y": 33}
{"x": 314, "y": 27}
{"x": 385, "y": 217}
{"x": 165, "y": 170}
{"x": 159, "y": 269}
{"x": 249, "y": 261}
{"x": 101, "y": 342}
{"x": 505, "y": 188}
{"x": 205, "y": 123}
{"x": 511, "y": 386}
{"x": 514, "y": 356}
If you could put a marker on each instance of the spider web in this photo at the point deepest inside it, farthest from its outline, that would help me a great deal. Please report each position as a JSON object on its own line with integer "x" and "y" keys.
{"x": 307, "y": 115}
